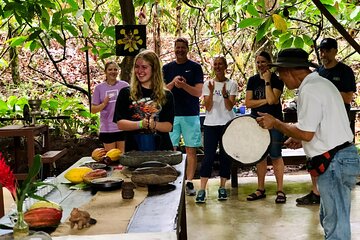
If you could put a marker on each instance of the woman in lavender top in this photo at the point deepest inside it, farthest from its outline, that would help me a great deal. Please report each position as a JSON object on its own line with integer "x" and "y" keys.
{"x": 103, "y": 101}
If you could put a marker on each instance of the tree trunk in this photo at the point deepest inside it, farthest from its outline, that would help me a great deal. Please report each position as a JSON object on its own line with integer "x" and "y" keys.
{"x": 128, "y": 18}
{"x": 14, "y": 60}
{"x": 178, "y": 20}
{"x": 156, "y": 29}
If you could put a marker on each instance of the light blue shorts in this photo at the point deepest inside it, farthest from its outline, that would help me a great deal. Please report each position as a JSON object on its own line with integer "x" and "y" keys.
{"x": 189, "y": 128}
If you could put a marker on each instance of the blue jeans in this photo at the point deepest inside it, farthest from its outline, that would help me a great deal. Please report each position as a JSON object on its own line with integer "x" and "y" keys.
{"x": 335, "y": 190}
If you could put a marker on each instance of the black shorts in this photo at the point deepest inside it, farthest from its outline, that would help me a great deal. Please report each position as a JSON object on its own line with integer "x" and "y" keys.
{"x": 111, "y": 137}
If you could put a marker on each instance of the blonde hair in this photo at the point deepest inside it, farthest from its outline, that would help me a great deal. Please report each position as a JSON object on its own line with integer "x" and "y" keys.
{"x": 157, "y": 81}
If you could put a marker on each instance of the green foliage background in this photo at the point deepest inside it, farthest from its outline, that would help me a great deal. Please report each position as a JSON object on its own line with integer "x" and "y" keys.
{"x": 42, "y": 33}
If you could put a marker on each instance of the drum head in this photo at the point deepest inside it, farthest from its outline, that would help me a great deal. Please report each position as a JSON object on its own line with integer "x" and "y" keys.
{"x": 245, "y": 141}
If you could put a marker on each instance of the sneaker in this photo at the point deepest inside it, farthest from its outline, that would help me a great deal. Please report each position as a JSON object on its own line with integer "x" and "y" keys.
{"x": 222, "y": 194}
{"x": 310, "y": 199}
{"x": 189, "y": 189}
{"x": 200, "y": 198}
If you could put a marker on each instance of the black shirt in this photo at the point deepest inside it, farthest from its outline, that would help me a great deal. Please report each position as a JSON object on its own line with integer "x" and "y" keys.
{"x": 257, "y": 86}
{"x": 342, "y": 76}
{"x": 185, "y": 103}
{"x": 128, "y": 109}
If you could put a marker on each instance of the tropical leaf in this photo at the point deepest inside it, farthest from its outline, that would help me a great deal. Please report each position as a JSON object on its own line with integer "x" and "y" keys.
{"x": 17, "y": 41}
{"x": 355, "y": 15}
{"x": 287, "y": 43}
{"x": 298, "y": 42}
{"x": 263, "y": 29}
{"x": 252, "y": 10}
{"x": 279, "y": 22}
{"x": 250, "y": 22}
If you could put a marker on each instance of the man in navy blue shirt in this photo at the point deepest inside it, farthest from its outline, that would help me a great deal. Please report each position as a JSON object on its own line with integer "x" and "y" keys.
{"x": 185, "y": 79}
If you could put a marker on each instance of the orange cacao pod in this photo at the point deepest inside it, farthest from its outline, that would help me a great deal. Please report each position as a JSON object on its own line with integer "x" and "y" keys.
{"x": 43, "y": 217}
{"x": 98, "y": 154}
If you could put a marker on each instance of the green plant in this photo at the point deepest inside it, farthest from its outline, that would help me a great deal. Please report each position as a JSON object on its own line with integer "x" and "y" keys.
{"x": 27, "y": 188}
{"x": 80, "y": 121}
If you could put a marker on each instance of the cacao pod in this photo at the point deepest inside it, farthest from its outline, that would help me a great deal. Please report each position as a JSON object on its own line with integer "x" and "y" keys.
{"x": 114, "y": 154}
{"x": 75, "y": 175}
{"x": 98, "y": 173}
{"x": 98, "y": 154}
{"x": 45, "y": 204}
{"x": 43, "y": 217}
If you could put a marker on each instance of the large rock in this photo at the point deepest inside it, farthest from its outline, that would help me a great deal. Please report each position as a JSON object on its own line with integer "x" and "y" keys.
{"x": 136, "y": 158}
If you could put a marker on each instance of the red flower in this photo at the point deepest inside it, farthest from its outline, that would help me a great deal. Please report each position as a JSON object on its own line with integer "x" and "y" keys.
{"x": 7, "y": 178}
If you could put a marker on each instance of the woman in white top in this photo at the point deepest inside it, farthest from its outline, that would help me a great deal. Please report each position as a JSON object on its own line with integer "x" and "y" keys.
{"x": 219, "y": 99}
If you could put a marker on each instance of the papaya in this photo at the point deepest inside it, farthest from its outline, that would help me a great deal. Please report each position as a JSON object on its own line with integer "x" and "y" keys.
{"x": 75, "y": 175}
{"x": 114, "y": 154}
{"x": 98, "y": 154}
{"x": 43, "y": 217}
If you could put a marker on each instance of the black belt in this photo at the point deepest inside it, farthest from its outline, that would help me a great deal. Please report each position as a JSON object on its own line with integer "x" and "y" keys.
{"x": 339, "y": 147}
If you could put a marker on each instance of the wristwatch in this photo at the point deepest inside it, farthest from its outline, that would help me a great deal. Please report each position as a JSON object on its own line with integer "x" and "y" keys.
{"x": 225, "y": 95}
{"x": 267, "y": 83}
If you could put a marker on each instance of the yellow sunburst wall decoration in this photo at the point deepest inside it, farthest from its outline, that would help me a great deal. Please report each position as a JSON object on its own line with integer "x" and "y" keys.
{"x": 130, "y": 39}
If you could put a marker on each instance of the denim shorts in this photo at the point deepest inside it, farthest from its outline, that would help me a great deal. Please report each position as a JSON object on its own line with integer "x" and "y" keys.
{"x": 276, "y": 144}
{"x": 189, "y": 128}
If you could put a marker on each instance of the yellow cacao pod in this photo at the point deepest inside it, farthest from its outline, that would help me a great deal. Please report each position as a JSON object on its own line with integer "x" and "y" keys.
{"x": 98, "y": 154}
{"x": 114, "y": 154}
{"x": 75, "y": 175}
{"x": 45, "y": 204}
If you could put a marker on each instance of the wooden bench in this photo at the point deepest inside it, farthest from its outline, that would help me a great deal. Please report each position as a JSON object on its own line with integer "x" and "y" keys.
{"x": 290, "y": 157}
{"x": 49, "y": 158}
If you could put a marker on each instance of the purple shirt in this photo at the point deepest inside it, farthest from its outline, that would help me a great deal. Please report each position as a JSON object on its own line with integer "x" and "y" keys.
{"x": 107, "y": 114}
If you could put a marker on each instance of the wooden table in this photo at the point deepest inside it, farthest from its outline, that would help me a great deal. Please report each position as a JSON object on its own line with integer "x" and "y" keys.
{"x": 17, "y": 131}
{"x": 161, "y": 216}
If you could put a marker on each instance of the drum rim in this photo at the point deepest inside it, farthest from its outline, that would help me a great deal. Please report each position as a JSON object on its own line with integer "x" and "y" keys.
{"x": 239, "y": 162}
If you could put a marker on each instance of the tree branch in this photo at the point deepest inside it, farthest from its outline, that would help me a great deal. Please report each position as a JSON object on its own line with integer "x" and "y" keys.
{"x": 337, "y": 25}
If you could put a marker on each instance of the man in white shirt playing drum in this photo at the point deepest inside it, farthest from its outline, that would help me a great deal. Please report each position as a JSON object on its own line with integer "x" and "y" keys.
{"x": 320, "y": 111}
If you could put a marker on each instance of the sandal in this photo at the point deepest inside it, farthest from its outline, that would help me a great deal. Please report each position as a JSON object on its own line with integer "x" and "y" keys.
{"x": 281, "y": 197}
{"x": 254, "y": 196}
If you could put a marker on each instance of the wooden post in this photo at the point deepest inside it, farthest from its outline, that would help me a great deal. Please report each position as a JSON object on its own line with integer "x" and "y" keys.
{"x": 2, "y": 205}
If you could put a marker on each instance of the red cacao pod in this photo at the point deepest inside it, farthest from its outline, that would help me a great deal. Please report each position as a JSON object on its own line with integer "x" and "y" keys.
{"x": 43, "y": 217}
{"x": 97, "y": 173}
